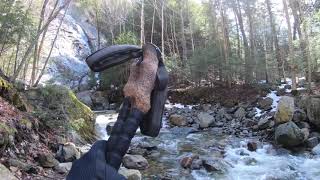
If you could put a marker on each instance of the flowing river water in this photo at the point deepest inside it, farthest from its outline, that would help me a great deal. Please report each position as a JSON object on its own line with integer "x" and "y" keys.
{"x": 267, "y": 163}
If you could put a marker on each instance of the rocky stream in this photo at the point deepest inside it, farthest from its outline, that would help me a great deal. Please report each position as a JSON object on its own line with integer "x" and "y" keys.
{"x": 207, "y": 141}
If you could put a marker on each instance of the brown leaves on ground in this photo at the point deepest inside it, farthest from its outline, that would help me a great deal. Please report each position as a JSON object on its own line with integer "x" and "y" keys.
{"x": 219, "y": 94}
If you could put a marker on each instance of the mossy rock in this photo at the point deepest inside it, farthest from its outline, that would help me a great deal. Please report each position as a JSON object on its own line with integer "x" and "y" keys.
{"x": 8, "y": 92}
{"x": 58, "y": 108}
{"x": 25, "y": 124}
{"x": 5, "y": 133}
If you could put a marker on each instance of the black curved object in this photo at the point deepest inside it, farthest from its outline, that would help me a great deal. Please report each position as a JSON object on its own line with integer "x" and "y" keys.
{"x": 111, "y": 56}
{"x": 129, "y": 118}
{"x": 152, "y": 121}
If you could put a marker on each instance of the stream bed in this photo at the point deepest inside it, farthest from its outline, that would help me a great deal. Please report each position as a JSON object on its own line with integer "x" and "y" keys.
{"x": 266, "y": 163}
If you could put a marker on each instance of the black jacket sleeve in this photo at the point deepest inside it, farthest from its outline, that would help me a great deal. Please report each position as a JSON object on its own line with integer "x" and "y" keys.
{"x": 93, "y": 165}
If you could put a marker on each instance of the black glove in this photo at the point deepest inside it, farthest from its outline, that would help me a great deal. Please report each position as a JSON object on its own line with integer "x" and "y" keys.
{"x": 93, "y": 165}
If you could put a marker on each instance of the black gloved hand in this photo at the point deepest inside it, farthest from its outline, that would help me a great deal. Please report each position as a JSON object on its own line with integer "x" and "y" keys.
{"x": 93, "y": 165}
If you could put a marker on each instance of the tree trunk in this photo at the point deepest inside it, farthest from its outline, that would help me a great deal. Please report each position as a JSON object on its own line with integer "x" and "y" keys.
{"x": 303, "y": 38}
{"x": 183, "y": 38}
{"x": 275, "y": 41}
{"x": 226, "y": 46}
{"x": 248, "y": 66}
{"x": 153, "y": 19}
{"x": 142, "y": 38}
{"x": 162, "y": 29}
{"x": 290, "y": 41}
{"x": 35, "y": 40}
{"x": 49, "y": 55}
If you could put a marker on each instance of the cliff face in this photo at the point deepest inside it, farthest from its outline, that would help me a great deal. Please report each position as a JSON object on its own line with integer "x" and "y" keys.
{"x": 76, "y": 40}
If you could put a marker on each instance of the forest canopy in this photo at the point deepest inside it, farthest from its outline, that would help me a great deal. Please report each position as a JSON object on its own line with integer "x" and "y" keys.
{"x": 232, "y": 41}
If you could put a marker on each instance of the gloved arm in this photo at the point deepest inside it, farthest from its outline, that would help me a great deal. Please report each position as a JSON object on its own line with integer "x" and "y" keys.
{"x": 93, "y": 165}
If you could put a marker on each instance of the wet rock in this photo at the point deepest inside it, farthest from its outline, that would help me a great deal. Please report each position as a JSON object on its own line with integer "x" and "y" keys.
{"x": 63, "y": 168}
{"x": 265, "y": 103}
{"x": 315, "y": 134}
{"x": 306, "y": 133}
{"x": 5, "y": 174}
{"x": 109, "y": 127}
{"x": 299, "y": 115}
{"x": 130, "y": 174}
{"x": 313, "y": 110}
{"x": 316, "y": 150}
{"x": 135, "y": 162}
{"x": 99, "y": 100}
{"x": 252, "y": 146}
{"x": 264, "y": 123}
{"x": 281, "y": 92}
{"x": 196, "y": 164}
{"x": 287, "y": 86}
{"x": 285, "y": 110}
{"x": 249, "y": 161}
{"x": 47, "y": 160}
{"x": 205, "y": 120}
{"x": 283, "y": 152}
{"x": 240, "y": 113}
{"x": 178, "y": 120}
{"x": 215, "y": 165}
{"x": 289, "y": 134}
{"x": 251, "y": 114}
{"x": 148, "y": 145}
{"x": 137, "y": 151}
{"x": 221, "y": 113}
{"x": 302, "y": 125}
{"x": 206, "y": 107}
{"x": 67, "y": 153}
{"x": 219, "y": 124}
{"x": 183, "y": 130}
{"x": 85, "y": 98}
{"x": 187, "y": 161}
{"x": 22, "y": 165}
{"x": 312, "y": 142}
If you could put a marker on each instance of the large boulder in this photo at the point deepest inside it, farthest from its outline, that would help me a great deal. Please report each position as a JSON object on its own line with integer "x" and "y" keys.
{"x": 67, "y": 153}
{"x": 100, "y": 100}
{"x": 6, "y": 174}
{"x": 313, "y": 110}
{"x": 299, "y": 115}
{"x": 63, "y": 168}
{"x": 205, "y": 120}
{"x": 58, "y": 109}
{"x": 316, "y": 150}
{"x": 265, "y": 103}
{"x": 216, "y": 165}
{"x": 178, "y": 120}
{"x": 289, "y": 134}
{"x": 85, "y": 97}
{"x": 47, "y": 160}
{"x": 285, "y": 110}
{"x": 240, "y": 113}
{"x": 130, "y": 174}
{"x": 135, "y": 162}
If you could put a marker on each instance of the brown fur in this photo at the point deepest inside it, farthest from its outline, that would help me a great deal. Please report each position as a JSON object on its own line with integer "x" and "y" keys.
{"x": 141, "y": 79}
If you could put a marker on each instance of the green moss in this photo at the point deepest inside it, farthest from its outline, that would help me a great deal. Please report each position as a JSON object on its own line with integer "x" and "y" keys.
{"x": 5, "y": 133}
{"x": 6, "y": 129}
{"x": 25, "y": 123}
{"x": 12, "y": 95}
{"x": 59, "y": 109}
{"x": 5, "y": 85}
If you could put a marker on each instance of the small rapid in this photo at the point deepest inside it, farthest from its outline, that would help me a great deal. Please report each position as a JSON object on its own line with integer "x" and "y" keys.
{"x": 172, "y": 144}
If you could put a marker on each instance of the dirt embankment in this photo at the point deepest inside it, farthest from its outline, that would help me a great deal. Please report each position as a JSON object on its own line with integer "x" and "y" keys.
{"x": 228, "y": 97}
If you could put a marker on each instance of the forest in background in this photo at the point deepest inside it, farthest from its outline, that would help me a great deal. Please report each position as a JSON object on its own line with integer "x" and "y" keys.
{"x": 203, "y": 42}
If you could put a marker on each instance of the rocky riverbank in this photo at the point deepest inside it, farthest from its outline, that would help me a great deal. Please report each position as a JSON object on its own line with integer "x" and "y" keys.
{"x": 214, "y": 141}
